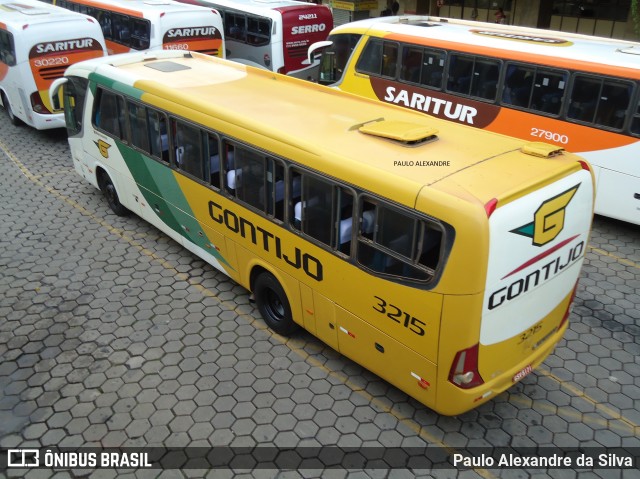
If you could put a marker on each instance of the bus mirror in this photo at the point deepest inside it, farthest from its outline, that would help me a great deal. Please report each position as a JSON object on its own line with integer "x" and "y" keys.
{"x": 311, "y": 52}
{"x": 54, "y": 99}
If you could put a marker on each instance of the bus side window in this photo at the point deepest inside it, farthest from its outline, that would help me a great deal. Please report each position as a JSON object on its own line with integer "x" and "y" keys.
{"x": 379, "y": 58}
{"x": 159, "y": 140}
{"x": 484, "y": 81}
{"x": 614, "y": 104}
{"x": 7, "y": 49}
{"x": 121, "y": 29}
{"x": 138, "y": 125}
{"x": 109, "y": 113}
{"x": 322, "y": 210}
{"x": 389, "y": 59}
{"x": 246, "y": 180}
{"x": 187, "y": 142}
{"x": 258, "y": 31}
{"x": 517, "y": 85}
{"x": 635, "y": 123}
{"x": 371, "y": 59}
{"x": 140, "y": 39}
{"x": 235, "y": 26}
{"x": 433, "y": 68}
{"x": 459, "y": 75}
{"x": 104, "y": 19}
{"x": 584, "y": 96}
{"x": 395, "y": 243}
{"x": 548, "y": 91}
{"x": 215, "y": 167}
{"x": 273, "y": 189}
{"x": 411, "y": 64}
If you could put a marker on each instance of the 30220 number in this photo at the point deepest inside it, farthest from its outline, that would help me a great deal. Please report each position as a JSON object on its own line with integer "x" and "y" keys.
{"x": 396, "y": 314}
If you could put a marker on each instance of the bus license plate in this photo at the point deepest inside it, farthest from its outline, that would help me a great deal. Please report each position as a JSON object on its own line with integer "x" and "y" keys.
{"x": 522, "y": 373}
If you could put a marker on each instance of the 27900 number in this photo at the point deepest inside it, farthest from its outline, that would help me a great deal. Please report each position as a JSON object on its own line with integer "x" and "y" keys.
{"x": 549, "y": 135}
{"x": 394, "y": 313}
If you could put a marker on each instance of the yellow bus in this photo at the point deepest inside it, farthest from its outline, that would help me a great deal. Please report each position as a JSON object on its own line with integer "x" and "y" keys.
{"x": 578, "y": 92}
{"x": 443, "y": 258}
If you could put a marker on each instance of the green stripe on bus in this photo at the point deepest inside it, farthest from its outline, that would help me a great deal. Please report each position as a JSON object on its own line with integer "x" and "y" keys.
{"x": 116, "y": 85}
{"x": 155, "y": 181}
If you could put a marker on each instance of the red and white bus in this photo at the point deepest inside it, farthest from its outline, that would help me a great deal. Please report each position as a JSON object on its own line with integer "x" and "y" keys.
{"x": 37, "y": 44}
{"x": 274, "y": 35}
{"x": 130, "y": 25}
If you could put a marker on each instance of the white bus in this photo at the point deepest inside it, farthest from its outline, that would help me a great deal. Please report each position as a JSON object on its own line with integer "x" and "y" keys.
{"x": 130, "y": 25}
{"x": 272, "y": 34}
{"x": 578, "y": 92}
{"x": 37, "y": 43}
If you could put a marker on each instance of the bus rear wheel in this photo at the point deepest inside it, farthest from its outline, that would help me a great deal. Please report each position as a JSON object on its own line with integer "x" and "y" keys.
{"x": 110, "y": 193}
{"x": 12, "y": 117}
{"x": 273, "y": 304}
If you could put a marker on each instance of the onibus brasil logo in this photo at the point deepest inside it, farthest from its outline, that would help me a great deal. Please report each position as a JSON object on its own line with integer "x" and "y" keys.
{"x": 548, "y": 220}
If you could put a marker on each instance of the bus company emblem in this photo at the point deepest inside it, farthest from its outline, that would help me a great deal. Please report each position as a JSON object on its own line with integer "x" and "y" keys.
{"x": 302, "y": 29}
{"x": 103, "y": 146}
{"x": 548, "y": 220}
{"x": 524, "y": 38}
{"x": 435, "y": 103}
{"x": 76, "y": 44}
{"x": 191, "y": 32}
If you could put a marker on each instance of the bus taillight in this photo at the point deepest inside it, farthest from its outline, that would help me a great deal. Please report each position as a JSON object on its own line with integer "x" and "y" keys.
{"x": 37, "y": 105}
{"x": 464, "y": 370}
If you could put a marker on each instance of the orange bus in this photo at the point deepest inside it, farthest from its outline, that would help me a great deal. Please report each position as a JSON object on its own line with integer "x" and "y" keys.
{"x": 578, "y": 92}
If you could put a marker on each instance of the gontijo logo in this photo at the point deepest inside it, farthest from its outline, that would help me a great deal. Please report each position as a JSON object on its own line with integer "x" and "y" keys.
{"x": 548, "y": 220}
{"x": 103, "y": 147}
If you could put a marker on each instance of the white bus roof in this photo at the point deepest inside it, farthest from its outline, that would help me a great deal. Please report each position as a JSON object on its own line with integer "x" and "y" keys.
{"x": 151, "y": 6}
{"x": 259, "y": 7}
{"x": 511, "y": 42}
{"x": 18, "y": 13}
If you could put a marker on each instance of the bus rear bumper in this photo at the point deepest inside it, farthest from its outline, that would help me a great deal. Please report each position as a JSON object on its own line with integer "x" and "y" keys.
{"x": 467, "y": 399}
{"x": 47, "y": 122}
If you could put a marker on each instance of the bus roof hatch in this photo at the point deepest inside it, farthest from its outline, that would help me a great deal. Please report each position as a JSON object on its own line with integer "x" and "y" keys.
{"x": 402, "y": 131}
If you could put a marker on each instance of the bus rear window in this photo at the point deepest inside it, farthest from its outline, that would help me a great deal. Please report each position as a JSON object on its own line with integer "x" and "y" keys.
{"x": 397, "y": 243}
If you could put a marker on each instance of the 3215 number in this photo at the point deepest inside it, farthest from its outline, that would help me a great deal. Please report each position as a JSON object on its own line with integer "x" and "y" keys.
{"x": 394, "y": 313}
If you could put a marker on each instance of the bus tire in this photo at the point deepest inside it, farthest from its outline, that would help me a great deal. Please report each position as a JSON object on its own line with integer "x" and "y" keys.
{"x": 12, "y": 117}
{"x": 273, "y": 304}
{"x": 111, "y": 195}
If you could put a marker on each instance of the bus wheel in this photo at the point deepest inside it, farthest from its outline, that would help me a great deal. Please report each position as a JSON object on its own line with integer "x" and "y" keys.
{"x": 110, "y": 193}
{"x": 273, "y": 304}
{"x": 12, "y": 117}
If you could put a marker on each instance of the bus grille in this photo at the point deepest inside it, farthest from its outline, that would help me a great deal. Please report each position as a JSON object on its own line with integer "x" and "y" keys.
{"x": 297, "y": 52}
{"x": 52, "y": 73}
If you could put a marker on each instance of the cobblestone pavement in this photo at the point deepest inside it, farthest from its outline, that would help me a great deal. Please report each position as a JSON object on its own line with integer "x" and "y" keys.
{"x": 111, "y": 334}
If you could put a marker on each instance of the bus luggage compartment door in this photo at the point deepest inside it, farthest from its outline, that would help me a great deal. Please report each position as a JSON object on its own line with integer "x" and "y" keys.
{"x": 386, "y": 357}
